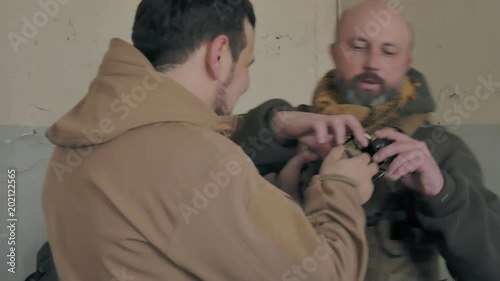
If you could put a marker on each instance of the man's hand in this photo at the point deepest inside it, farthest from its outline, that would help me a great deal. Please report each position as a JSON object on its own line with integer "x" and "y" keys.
{"x": 359, "y": 168}
{"x": 317, "y": 130}
{"x": 414, "y": 165}
{"x": 288, "y": 179}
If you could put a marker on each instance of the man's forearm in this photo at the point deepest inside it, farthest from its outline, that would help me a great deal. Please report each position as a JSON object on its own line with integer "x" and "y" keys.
{"x": 267, "y": 148}
{"x": 466, "y": 216}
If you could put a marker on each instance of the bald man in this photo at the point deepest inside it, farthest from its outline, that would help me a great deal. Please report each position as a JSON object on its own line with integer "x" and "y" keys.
{"x": 431, "y": 201}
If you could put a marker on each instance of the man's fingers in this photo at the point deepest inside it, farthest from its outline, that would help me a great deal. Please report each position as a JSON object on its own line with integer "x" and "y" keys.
{"x": 310, "y": 156}
{"x": 295, "y": 164}
{"x": 402, "y": 171}
{"x": 321, "y": 132}
{"x": 271, "y": 178}
{"x": 405, "y": 163}
{"x": 300, "y": 159}
{"x": 374, "y": 169}
{"x": 338, "y": 127}
{"x": 288, "y": 178}
{"x": 312, "y": 142}
{"x": 356, "y": 129}
{"x": 393, "y": 135}
{"x": 364, "y": 158}
{"x": 394, "y": 149}
{"x": 336, "y": 153}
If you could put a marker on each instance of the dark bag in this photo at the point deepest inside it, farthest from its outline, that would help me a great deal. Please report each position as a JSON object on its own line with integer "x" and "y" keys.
{"x": 45, "y": 268}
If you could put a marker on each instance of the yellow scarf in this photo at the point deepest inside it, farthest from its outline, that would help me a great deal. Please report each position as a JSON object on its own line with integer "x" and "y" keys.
{"x": 372, "y": 118}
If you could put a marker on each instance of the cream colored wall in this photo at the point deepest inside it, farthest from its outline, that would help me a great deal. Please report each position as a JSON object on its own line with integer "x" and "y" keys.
{"x": 50, "y": 69}
{"x": 458, "y": 47}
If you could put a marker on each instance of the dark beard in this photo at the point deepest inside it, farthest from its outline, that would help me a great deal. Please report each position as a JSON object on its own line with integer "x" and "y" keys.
{"x": 350, "y": 93}
{"x": 220, "y": 106}
{"x": 220, "y": 103}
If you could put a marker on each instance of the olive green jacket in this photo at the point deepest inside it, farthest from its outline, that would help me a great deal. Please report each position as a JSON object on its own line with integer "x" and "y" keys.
{"x": 408, "y": 234}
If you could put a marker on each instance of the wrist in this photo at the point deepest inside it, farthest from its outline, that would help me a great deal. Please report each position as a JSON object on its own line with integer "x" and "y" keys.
{"x": 278, "y": 123}
{"x": 278, "y": 120}
{"x": 437, "y": 205}
{"x": 436, "y": 186}
{"x": 433, "y": 191}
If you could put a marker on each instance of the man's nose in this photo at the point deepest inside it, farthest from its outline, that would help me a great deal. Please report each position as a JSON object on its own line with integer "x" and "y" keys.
{"x": 372, "y": 60}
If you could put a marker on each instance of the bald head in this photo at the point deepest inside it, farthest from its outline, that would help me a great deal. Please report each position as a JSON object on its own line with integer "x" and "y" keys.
{"x": 372, "y": 16}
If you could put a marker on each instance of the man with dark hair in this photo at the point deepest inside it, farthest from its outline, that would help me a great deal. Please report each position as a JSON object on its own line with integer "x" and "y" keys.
{"x": 144, "y": 183}
{"x": 185, "y": 25}
{"x": 432, "y": 200}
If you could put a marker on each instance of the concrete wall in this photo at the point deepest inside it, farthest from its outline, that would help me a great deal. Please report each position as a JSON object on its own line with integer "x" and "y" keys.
{"x": 50, "y": 68}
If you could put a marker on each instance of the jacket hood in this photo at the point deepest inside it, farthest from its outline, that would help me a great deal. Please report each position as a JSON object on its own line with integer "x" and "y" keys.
{"x": 127, "y": 93}
{"x": 424, "y": 102}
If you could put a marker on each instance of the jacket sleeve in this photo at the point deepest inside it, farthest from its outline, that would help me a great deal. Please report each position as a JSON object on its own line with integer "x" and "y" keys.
{"x": 250, "y": 230}
{"x": 254, "y": 135}
{"x": 465, "y": 216}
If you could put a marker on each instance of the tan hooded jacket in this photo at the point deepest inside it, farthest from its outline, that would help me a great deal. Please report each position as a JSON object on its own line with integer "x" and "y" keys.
{"x": 143, "y": 186}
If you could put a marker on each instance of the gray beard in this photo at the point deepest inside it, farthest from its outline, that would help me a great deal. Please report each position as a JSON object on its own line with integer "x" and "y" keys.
{"x": 367, "y": 98}
{"x": 350, "y": 94}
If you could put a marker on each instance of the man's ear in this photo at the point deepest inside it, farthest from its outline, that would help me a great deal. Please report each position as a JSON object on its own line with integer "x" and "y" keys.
{"x": 334, "y": 51}
{"x": 409, "y": 63}
{"x": 337, "y": 50}
{"x": 216, "y": 57}
{"x": 341, "y": 53}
